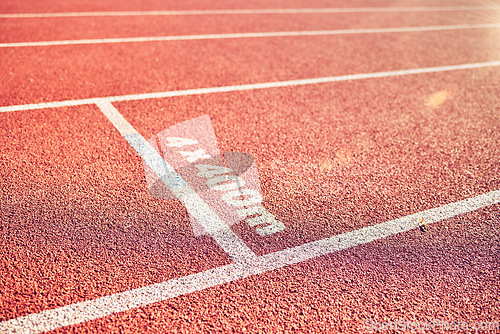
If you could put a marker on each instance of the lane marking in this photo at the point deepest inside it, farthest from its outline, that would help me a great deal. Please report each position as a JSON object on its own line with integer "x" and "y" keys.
{"x": 237, "y": 250}
{"x": 253, "y": 11}
{"x": 92, "y": 309}
{"x": 245, "y": 87}
{"x": 249, "y": 35}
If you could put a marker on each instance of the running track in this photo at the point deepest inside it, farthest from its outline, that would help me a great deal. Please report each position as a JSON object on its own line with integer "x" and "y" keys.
{"x": 364, "y": 118}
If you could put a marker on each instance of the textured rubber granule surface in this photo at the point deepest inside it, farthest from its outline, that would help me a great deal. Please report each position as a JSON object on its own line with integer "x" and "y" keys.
{"x": 77, "y": 221}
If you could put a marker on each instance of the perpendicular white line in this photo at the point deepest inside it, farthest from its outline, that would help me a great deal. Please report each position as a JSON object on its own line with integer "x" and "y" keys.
{"x": 236, "y": 88}
{"x": 92, "y": 309}
{"x": 252, "y": 11}
{"x": 248, "y": 35}
{"x": 237, "y": 250}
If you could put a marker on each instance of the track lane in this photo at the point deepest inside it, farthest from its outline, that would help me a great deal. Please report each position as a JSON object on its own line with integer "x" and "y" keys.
{"x": 34, "y": 75}
{"x": 447, "y": 273}
{"x": 378, "y": 147}
{"x": 441, "y": 129}
{"x": 77, "y": 219}
{"x": 337, "y": 157}
{"x": 51, "y": 29}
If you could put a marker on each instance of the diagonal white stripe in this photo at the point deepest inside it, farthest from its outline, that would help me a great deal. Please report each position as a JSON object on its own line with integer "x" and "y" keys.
{"x": 236, "y": 249}
{"x": 249, "y": 35}
{"x": 265, "y": 85}
{"x": 101, "y": 307}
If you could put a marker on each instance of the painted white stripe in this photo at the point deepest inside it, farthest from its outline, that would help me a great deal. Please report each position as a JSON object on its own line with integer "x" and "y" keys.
{"x": 249, "y": 35}
{"x": 118, "y": 121}
{"x": 237, "y": 250}
{"x": 237, "y": 88}
{"x": 101, "y": 307}
{"x": 254, "y": 11}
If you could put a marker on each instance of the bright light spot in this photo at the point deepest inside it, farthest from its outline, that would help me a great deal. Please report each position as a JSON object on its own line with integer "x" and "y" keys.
{"x": 343, "y": 157}
{"x": 438, "y": 98}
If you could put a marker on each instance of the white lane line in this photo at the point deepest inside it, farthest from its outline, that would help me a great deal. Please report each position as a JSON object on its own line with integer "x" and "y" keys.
{"x": 237, "y": 250}
{"x": 92, "y": 309}
{"x": 249, "y": 35}
{"x": 237, "y": 88}
{"x": 254, "y": 11}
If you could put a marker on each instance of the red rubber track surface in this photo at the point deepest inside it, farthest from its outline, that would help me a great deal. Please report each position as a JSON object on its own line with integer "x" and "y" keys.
{"x": 51, "y": 6}
{"x": 52, "y": 29}
{"x": 78, "y": 223}
{"x": 58, "y": 73}
{"x": 449, "y": 273}
{"x": 371, "y": 153}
